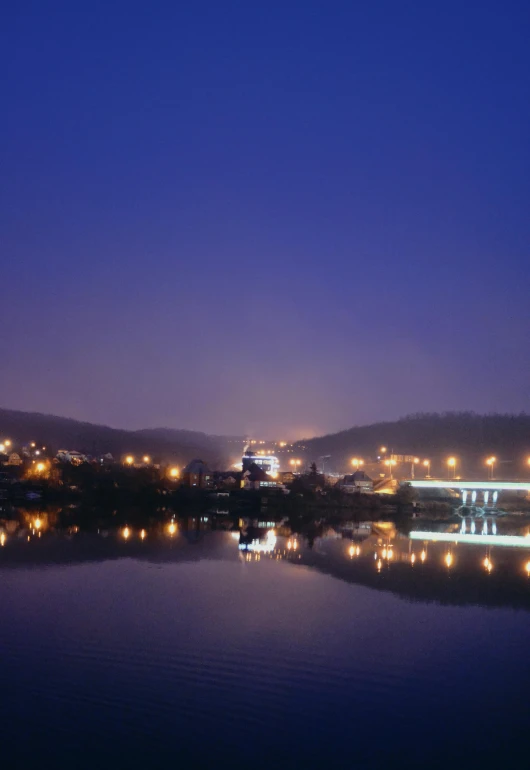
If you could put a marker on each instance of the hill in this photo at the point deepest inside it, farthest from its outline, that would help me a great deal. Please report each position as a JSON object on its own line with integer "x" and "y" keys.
{"x": 162, "y": 444}
{"x": 471, "y": 437}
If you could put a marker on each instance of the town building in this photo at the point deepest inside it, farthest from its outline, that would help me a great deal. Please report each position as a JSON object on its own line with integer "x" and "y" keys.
{"x": 197, "y": 474}
{"x": 357, "y": 482}
{"x": 71, "y": 456}
{"x": 255, "y": 477}
{"x": 267, "y": 462}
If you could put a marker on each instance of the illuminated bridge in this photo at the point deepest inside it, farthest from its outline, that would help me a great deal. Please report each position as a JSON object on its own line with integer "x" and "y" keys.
{"x": 467, "y": 485}
{"x": 474, "y": 489}
{"x": 479, "y": 502}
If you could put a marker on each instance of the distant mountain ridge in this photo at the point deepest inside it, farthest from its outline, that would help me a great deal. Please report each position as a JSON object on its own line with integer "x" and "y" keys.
{"x": 164, "y": 444}
{"x": 436, "y": 436}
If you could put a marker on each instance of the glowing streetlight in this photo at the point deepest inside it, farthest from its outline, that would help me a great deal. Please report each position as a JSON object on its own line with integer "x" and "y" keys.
{"x": 126, "y": 532}
{"x": 172, "y": 528}
{"x": 296, "y": 464}
{"x": 383, "y": 450}
{"x": 427, "y": 464}
{"x": 129, "y": 460}
{"x": 174, "y": 472}
{"x": 40, "y": 467}
{"x": 37, "y": 524}
{"x": 390, "y": 463}
{"x": 357, "y": 462}
{"x": 414, "y": 462}
{"x": 451, "y": 467}
{"x": 2, "y": 448}
{"x": 7, "y": 442}
{"x": 490, "y": 462}
{"x": 146, "y": 459}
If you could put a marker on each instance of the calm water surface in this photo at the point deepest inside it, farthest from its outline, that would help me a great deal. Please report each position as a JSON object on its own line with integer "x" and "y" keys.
{"x": 186, "y": 654}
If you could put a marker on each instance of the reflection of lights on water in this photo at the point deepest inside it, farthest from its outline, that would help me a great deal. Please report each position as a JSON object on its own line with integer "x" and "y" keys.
{"x": 2, "y": 538}
{"x": 527, "y": 568}
{"x": 143, "y": 534}
{"x": 448, "y": 559}
{"x": 351, "y": 550}
{"x": 37, "y": 524}
{"x": 487, "y": 564}
{"x": 379, "y": 565}
{"x": 384, "y": 553}
{"x": 423, "y": 555}
{"x": 172, "y": 528}
{"x": 356, "y": 550}
{"x": 389, "y": 554}
{"x": 126, "y": 532}
{"x": 257, "y": 546}
{"x": 412, "y": 558}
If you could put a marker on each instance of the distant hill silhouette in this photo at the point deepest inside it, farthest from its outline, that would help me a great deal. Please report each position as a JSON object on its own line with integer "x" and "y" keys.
{"x": 164, "y": 444}
{"x": 472, "y": 437}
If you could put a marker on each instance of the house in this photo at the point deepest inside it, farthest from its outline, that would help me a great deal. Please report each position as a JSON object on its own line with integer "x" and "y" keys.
{"x": 197, "y": 474}
{"x": 226, "y": 479}
{"x": 357, "y": 482}
{"x": 14, "y": 459}
{"x": 71, "y": 456}
{"x": 256, "y": 478}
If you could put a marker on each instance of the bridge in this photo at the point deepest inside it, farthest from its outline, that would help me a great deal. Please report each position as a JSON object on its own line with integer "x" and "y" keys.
{"x": 474, "y": 488}
{"x": 468, "y": 485}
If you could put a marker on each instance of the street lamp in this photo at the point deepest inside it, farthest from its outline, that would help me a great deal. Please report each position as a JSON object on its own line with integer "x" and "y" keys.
{"x": 295, "y": 464}
{"x": 427, "y": 464}
{"x": 389, "y": 464}
{"x": 490, "y": 462}
{"x": 146, "y": 459}
{"x": 413, "y": 463}
{"x": 356, "y": 462}
{"x": 129, "y": 460}
{"x": 174, "y": 472}
{"x": 451, "y": 467}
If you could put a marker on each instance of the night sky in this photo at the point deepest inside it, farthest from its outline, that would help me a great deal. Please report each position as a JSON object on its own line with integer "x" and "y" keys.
{"x": 272, "y": 218}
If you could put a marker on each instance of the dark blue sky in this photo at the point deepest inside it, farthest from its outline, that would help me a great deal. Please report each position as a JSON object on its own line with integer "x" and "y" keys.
{"x": 264, "y": 217}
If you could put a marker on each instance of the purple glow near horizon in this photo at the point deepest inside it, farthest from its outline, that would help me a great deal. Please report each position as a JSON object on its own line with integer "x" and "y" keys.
{"x": 266, "y": 220}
